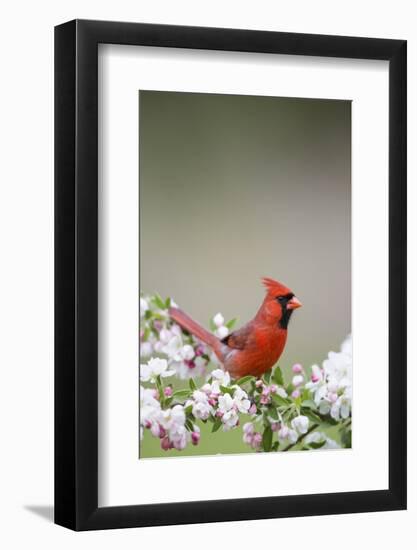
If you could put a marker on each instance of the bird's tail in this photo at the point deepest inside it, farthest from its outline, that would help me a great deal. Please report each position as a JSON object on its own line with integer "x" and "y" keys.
{"x": 192, "y": 326}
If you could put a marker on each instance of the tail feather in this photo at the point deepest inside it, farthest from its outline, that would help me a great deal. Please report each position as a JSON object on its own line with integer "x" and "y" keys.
{"x": 192, "y": 326}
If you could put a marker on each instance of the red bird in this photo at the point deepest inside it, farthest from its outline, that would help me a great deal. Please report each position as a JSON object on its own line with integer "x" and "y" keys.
{"x": 257, "y": 346}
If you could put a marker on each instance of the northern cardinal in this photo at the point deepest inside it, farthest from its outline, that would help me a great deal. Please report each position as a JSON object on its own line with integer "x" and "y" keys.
{"x": 257, "y": 346}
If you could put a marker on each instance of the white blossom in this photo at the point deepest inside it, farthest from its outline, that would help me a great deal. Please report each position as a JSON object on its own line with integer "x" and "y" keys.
{"x": 155, "y": 367}
{"x": 222, "y": 332}
{"x": 300, "y": 424}
{"x": 218, "y": 320}
{"x": 143, "y": 307}
{"x": 297, "y": 380}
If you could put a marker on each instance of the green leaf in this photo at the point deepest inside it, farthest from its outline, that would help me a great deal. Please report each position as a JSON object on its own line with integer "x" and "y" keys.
{"x": 280, "y": 401}
{"x": 267, "y": 377}
{"x": 309, "y": 404}
{"x": 181, "y": 394}
{"x": 216, "y": 425}
{"x": 315, "y": 445}
{"x": 230, "y": 324}
{"x": 168, "y": 303}
{"x": 278, "y": 378}
{"x": 212, "y": 325}
{"x": 158, "y": 301}
{"x": 188, "y": 409}
{"x": 267, "y": 439}
{"x": 346, "y": 439}
{"x": 226, "y": 389}
{"x": 245, "y": 380}
{"x": 192, "y": 384}
{"x": 275, "y": 446}
{"x": 273, "y": 414}
{"x": 189, "y": 425}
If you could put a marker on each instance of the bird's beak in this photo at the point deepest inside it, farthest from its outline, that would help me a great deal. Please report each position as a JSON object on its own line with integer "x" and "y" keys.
{"x": 294, "y": 303}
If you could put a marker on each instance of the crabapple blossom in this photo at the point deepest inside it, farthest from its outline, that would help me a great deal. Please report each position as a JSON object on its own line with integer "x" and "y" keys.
{"x": 297, "y": 380}
{"x": 222, "y": 332}
{"x": 174, "y": 414}
{"x": 154, "y": 368}
{"x": 218, "y": 320}
{"x": 300, "y": 424}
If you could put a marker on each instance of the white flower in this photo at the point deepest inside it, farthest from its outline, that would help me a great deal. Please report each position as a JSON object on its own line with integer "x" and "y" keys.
{"x": 292, "y": 436}
{"x": 173, "y": 348}
{"x": 228, "y": 408}
{"x": 150, "y": 408}
{"x": 297, "y": 380}
{"x": 240, "y": 398}
{"x": 165, "y": 336}
{"x": 145, "y": 349}
{"x": 225, "y": 402}
{"x": 201, "y": 407}
{"x": 220, "y": 378}
{"x": 319, "y": 437}
{"x": 187, "y": 352}
{"x": 281, "y": 392}
{"x": 172, "y": 418}
{"x": 155, "y": 367}
{"x": 222, "y": 332}
{"x": 143, "y": 308}
{"x": 300, "y": 424}
{"x": 218, "y": 320}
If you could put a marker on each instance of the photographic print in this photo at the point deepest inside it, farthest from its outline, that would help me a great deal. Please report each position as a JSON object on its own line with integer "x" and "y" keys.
{"x": 245, "y": 274}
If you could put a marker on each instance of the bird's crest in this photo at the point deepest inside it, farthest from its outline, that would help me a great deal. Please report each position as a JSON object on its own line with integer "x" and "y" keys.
{"x": 275, "y": 288}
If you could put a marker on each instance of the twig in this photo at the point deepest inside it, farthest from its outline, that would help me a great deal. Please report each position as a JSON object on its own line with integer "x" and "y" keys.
{"x": 313, "y": 427}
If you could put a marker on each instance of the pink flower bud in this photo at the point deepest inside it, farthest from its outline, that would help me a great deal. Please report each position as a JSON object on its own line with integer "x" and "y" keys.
{"x": 168, "y": 391}
{"x": 297, "y": 368}
{"x": 199, "y": 350}
{"x": 315, "y": 378}
{"x": 158, "y": 325}
{"x": 165, "y": 444}
{"x": 212, "y": 401}
{"x": 219, "y": 413}
{"x": 273, "y": 388}
{"x": 259, "y": 383}
{"x": 195, "y": 438}
{"x": 265, "y": 399}
{"x": 148, "y": 424}
{"x": 295, "y": 394}
{"x": 252, "y": 409}
{"x": 275, "y": 426}
{"x": 190, "y": 363}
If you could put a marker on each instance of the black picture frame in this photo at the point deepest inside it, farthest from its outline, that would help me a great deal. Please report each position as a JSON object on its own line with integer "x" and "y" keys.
{"x": 76, "y": 272}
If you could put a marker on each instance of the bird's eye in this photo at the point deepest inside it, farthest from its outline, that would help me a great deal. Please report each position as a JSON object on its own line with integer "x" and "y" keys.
{"x": 280, "y": 299}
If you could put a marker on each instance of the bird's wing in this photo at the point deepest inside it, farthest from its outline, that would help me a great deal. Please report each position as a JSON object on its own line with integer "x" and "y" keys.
{"x": 239, "y": 338}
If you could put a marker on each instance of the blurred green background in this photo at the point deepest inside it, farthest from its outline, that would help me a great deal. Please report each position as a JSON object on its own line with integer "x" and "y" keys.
{"x": 233, "y": 188}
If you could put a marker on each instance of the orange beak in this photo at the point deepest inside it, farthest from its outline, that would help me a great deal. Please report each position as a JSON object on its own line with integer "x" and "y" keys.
{"x": 294, "y": 303}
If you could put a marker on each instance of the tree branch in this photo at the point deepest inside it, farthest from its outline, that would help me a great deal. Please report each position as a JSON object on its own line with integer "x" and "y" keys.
{"x": 313, "y": 427}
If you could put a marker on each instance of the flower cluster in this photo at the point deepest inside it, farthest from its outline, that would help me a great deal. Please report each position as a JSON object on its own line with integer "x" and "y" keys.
{"x": 331, "y": 385}
{"x": 312, "y": 411}
{"x": 160, "y": 336}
